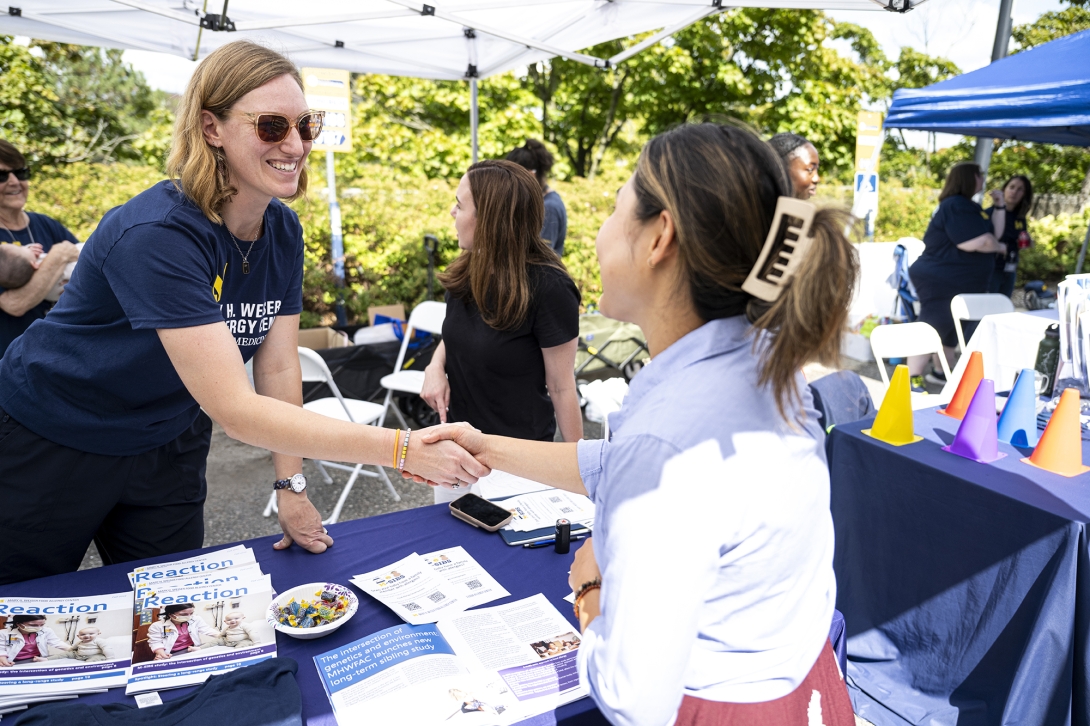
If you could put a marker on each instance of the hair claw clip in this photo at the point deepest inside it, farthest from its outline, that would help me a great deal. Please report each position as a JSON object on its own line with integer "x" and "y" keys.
{"x": 784, "y": 249}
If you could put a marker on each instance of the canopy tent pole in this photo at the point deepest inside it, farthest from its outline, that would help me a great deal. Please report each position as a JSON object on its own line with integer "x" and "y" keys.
{"x": 472, "y": 74}
{"x": 985, "y": 146}
{"x": 473, "y": 118}
{"x": 337, "y": 237}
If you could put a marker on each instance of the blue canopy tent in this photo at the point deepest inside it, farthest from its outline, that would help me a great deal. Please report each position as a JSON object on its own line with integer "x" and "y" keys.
{"x": 1040, "y": 95}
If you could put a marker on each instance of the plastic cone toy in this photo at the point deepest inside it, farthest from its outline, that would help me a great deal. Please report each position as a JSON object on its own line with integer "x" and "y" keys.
{"x": 893, "y": 424}
{"x": 1060, "y": 448}
{"x": 976, "y": 437}
{"x": 970, "y": 379}
{"x": 1018, "y": 424}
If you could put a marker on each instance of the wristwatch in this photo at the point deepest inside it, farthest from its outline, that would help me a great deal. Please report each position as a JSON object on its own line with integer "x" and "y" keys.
{"x": 297, "y": 483}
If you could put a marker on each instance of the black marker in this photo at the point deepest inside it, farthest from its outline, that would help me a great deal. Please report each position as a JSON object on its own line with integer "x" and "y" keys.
{"x": 562, "y": 542}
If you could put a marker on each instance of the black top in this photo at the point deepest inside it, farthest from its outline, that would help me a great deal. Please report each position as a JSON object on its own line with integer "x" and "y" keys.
{"x": 46, "y": 231}
{"x": 943, "y": 270}
{"x": 497, "y": 377}
{"x": 1012, "y": 230}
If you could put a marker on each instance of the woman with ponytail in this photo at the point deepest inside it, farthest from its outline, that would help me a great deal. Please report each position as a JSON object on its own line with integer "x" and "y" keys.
{"x": 712, "y": 526}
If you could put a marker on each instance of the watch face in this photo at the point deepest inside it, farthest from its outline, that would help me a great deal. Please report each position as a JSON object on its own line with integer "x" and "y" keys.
{"x": 298, "y": 483}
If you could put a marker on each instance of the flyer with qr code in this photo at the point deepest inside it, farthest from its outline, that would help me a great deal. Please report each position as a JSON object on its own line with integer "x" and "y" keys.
{"x": 472, "y": 582}
{"x": 412, "y": 589}
{"x": 494, "y": 666}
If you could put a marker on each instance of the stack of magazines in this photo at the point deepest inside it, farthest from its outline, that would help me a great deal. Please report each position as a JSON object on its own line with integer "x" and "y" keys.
{"x": 56, "y": 648}
{"x": 196, "y": 618}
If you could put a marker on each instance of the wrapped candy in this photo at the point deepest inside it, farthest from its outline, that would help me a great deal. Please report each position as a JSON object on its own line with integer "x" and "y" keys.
{"x": 324, "y": 609}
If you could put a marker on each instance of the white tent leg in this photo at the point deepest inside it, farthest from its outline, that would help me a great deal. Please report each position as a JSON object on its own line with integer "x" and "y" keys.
{"x": 473, "y": 116}
{"x": 984, "y": 147}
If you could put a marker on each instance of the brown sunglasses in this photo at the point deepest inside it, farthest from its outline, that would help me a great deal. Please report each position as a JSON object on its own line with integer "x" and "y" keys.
{"x": 272, "y": 128}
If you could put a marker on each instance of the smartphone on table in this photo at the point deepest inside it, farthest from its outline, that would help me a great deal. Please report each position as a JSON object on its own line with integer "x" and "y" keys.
{"x": 480, "y": 512}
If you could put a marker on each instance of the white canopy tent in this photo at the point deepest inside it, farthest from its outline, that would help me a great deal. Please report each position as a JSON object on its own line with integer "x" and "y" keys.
{"x": 446, "y": 40}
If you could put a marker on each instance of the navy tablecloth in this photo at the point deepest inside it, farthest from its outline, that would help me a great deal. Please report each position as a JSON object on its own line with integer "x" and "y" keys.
{"x": 964, "y": 586}
{"x": 361, "y": 545}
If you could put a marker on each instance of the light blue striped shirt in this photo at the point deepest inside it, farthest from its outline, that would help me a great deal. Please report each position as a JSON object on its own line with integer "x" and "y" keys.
{"x": 725, "y": 570}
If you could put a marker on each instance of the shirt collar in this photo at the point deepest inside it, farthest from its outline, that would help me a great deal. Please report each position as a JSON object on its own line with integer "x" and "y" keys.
{"x": 713, "y": 338}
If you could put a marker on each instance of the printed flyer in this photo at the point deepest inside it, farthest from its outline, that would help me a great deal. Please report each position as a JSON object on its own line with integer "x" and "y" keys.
{"x": 493, "y": 666}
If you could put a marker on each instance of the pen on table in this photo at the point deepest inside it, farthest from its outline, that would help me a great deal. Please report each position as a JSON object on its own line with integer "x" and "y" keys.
{"x": 549, "y": 542}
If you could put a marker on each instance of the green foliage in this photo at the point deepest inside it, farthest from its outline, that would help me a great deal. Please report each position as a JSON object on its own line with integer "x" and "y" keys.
{"x": 78, "y": 194}
{"x": 1057, "y": 240}
{"x": 66, "y": 103}
{"x": 385, "y": 215}
{"x": 422, "y": 127}
{"x": 1052, "y": 25}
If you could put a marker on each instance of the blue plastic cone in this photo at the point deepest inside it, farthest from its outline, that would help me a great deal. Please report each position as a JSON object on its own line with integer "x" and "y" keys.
{"x": 977, "y": 438}
{"x": 1018, "y": 423}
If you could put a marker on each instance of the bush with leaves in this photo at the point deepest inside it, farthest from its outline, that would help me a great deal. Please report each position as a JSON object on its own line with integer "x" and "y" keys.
{"x": 1057, "y": 240}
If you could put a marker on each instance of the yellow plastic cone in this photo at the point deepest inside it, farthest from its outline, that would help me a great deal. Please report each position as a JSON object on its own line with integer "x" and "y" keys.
{"x": 893, "y": 424}
{"x": 1060, "y": 447}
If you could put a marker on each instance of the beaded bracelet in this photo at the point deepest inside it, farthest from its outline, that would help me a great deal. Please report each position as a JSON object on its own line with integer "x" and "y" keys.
{"x": 397, "y": 438}
{"x": 404, "y": 451}
{"x": 595, "y": 584}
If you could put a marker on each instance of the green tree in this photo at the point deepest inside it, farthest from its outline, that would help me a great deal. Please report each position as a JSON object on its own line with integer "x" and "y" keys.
{"x": 64, "y": 103}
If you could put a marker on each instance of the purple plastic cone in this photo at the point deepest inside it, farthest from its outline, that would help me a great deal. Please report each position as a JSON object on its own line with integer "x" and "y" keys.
{"x": 1018, "y": 424}
{"x": 977, "y": 437}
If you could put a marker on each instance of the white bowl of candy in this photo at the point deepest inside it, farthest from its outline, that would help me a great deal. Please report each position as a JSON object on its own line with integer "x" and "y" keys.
{"x": 313, "y": 610}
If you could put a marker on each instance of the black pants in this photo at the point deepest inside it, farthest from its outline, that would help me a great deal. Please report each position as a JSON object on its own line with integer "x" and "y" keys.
{"x": 55, "y": 500}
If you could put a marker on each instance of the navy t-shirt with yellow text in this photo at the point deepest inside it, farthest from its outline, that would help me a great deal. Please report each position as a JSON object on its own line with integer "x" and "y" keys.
{"x": 93, "y": 375}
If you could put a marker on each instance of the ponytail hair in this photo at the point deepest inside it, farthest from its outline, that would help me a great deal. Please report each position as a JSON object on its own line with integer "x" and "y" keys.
{"x": 720, "y": 184}
{"x": 534, "y": 156}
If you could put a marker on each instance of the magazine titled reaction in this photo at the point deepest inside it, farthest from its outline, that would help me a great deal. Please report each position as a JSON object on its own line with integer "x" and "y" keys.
{"x": 183, "y": 635}
{"x": 53, "y": 646}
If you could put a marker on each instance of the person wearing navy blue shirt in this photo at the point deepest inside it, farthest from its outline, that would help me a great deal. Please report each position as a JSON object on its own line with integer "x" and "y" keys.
{"x": 1017, "y": 200}
{"x": 534, "y": 157}
{"x": 19, "y": 307}
{"x": 105, "y": 403}
{"x": 959, "y": 255}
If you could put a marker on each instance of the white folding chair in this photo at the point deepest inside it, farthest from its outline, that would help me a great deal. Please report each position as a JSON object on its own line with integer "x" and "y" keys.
{"x": 346, "y": 409}
{"x": 428, "y": 317}
{"x": 902, "y": 340}
{"x": 975, "y": 307}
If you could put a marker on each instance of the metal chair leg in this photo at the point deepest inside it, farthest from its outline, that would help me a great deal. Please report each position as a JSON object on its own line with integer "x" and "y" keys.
{"x": 271, "y": 506}
{"x": 344, "y": 496}
{"x": 389, "y": 484}
{"x": 323, "y": 472}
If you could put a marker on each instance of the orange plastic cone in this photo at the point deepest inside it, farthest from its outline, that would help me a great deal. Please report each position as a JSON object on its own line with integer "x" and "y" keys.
{"x": 893, "y": 424}
{"x": 1060, "y": 447}
{"x": 970, "y": 379}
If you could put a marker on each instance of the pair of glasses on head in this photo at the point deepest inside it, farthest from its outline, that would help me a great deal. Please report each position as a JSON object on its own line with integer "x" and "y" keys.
{"x": 272, "y": 128}
{"x": 20, "y": 174}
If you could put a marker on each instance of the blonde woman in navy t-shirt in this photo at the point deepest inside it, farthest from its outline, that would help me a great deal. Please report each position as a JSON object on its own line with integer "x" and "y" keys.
{"x": 102, "y": 434}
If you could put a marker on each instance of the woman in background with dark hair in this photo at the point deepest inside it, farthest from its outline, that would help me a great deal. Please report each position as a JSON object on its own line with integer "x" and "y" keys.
{"x": 507, "y": 361}
{"x": 1017, "y": 200}
{"x": 958, "y": 258}
{"x": 534, "y": 157}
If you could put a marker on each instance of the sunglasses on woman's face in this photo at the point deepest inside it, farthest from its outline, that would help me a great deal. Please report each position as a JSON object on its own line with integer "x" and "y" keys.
{"x": 20, "y": 174}
{"x": 272, "y": 128}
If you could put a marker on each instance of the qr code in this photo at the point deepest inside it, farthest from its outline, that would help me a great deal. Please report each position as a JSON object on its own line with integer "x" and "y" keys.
{"x": 437, "y": 596}
{"x": 473, "y": 584}
{"x": 566, "y": 510}
{"x": 411, "y": 606}
{"x": 555, "y": 500}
